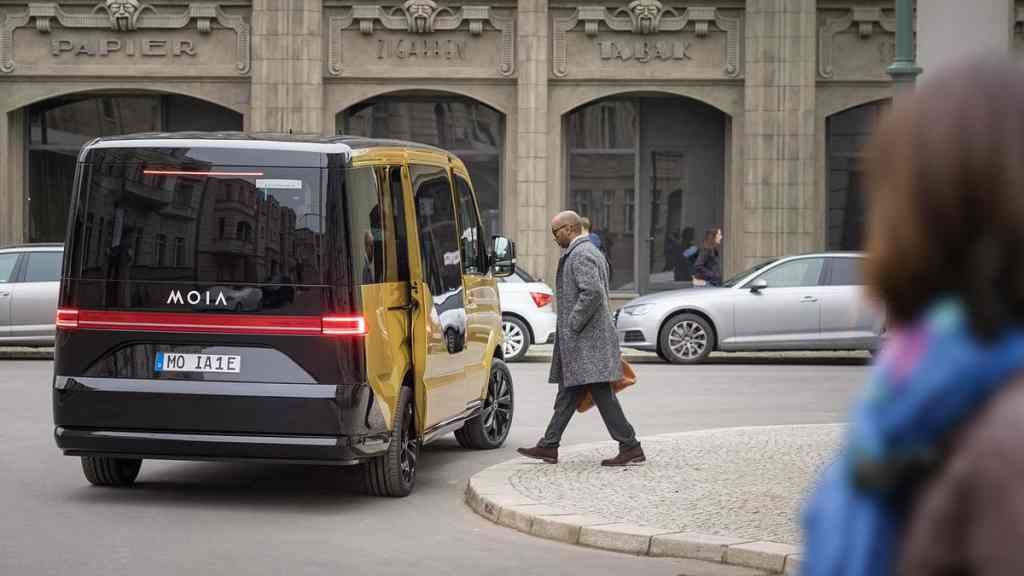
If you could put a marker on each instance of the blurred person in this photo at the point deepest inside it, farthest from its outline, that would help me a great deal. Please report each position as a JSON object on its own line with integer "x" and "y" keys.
{"x": 708, "y": 268}
{"x": 586, "y": 354}
{"x": 594, "y": 238}
{"x": 929, "y": 478}
{"x": 687, "y": 258}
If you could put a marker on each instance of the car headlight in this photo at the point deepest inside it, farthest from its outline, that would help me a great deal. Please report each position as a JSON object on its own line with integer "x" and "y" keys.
{"x": 638, "y": 310}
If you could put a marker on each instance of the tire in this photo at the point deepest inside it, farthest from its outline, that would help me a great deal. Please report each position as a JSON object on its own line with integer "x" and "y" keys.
{"x": 394, "y": 473}
{"x": 489, "y": 429}
{"x": 517, "y": 338}
{"x": 111, "y": 471}
{"x": 686, "y": 339}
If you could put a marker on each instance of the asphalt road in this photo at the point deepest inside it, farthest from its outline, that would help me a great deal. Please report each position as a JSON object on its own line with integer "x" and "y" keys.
{"x": 208, "y": 518}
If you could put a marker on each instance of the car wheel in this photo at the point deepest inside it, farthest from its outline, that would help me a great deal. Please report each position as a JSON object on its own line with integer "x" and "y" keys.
{"x": 394, "y": 473}
{"x": 489, "y": 429}
{"x": 686, "y": 339}
{"x": 517, "y": 338}
{"x": 111, "y": 471}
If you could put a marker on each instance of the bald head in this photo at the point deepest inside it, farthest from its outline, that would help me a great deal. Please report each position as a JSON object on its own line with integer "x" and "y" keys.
{"x": 566, "y": 218}
{"x": 565, "y": 226}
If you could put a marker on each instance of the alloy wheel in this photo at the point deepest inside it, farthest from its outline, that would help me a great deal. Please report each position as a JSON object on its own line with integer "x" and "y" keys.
{"x": 410, "y": 446}
{"x": 688, "y": 339}
{"x": 497, "y": 409}
{"x": 514, "y": 339}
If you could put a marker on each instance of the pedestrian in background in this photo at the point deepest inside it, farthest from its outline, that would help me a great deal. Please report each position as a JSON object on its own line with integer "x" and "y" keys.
{"x": 929, "y": 480}
{"x": 594, "y": 238}
{"x": 586, "y": 354}
{"x": 708, "y": 269}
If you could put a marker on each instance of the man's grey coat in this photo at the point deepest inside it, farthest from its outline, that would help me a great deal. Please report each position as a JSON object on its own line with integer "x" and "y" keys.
{"x": 586, "y": 346}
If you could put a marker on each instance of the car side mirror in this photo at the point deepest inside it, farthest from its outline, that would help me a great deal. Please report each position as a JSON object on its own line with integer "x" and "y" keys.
{"x": 758, "y": 285}
{"x": 503, "y": 260}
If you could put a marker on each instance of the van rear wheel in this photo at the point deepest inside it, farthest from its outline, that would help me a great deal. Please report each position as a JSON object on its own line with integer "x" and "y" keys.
{"x": 394, "y": 473}
{"x": 111, "y": 471}
{"x": 489, "y": 429}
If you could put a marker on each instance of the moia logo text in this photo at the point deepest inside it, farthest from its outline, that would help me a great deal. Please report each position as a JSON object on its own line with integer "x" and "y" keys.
{"x": 194, "y": 297}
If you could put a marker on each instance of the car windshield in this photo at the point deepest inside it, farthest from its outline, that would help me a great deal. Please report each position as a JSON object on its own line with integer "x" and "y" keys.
{"x": 739, "y": 277}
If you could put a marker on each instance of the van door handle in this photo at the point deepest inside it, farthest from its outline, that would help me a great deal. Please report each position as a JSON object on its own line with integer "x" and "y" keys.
{"x": 4, "y": 293}
{"x": 808, "y": 299}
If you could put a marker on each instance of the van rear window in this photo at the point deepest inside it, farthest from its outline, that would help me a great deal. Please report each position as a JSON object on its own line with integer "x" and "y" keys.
{"x": 145, "y": 216}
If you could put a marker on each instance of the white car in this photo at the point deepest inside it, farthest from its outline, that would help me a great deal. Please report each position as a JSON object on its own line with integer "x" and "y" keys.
{"x": 527, "y": 313}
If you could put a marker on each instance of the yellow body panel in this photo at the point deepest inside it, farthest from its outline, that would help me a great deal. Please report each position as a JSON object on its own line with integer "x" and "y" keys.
{"x": 403, "y": 335}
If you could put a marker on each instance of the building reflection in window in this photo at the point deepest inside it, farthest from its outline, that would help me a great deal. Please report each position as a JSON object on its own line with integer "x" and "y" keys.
{"x": 60, "y": 127}
{"x": 471, "y": 130}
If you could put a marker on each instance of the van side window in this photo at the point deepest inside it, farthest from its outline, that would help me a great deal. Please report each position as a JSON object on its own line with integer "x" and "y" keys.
{"x": 471, "y": 233}
{"x": 366, "y": 225}
{"x": 435, "y": 215}
{"x": 399, "y": 238}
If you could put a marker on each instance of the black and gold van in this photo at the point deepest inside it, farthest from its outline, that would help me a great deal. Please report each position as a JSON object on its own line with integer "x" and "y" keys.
{"x": 276, "y": 299}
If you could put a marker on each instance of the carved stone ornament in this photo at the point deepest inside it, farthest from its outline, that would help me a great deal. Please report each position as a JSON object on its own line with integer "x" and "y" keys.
{"x": 123, "y": 16}
{"x": 423, "y": 17}
{"x": 647, "y": 17}
{"x": 864, "y": 17}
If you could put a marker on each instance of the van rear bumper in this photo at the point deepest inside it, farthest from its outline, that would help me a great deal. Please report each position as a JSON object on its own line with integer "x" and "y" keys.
{"x": 208, "y": 420}
{"x": 229, "y": 447}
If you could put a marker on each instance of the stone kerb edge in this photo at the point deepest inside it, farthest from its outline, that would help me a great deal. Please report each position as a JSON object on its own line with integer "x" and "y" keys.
{"x": 490, "y": 494}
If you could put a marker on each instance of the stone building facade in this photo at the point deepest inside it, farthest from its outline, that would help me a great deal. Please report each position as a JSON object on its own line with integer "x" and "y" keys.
{"x": 658, "y": 119}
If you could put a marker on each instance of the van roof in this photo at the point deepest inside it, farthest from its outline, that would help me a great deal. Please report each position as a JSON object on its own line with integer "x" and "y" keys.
{"x": 342, "y": 144}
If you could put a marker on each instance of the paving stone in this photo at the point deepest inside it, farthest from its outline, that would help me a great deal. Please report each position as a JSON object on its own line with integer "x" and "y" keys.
{"x": 620, "y": 537}
{"x": 521, "y": 517}
{"x": 762, "y": 555}
{"x": 564, "y": 528}
{"x": 692, "y": 545}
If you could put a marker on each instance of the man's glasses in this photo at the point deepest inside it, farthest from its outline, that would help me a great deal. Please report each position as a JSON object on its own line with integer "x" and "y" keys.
{"x": 555, "y": 231}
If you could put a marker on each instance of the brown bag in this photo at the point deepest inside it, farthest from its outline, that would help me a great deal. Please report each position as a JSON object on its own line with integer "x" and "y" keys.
{"x": 586, "y": 401}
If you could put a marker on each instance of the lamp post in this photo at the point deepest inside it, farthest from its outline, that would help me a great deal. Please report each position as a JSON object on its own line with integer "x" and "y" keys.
{"x": 903, "y": 68}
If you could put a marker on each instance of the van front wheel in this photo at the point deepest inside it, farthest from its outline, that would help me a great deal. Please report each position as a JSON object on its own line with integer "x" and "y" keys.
{"x": 111, "y": 471}
{"x": 394, "y": 473}
{"x": 489, "y": 429}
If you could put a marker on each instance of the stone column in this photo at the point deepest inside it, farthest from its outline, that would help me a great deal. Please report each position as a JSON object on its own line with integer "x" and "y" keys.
{"x": 531, "y": 153}
{"x": 778, "y": 185}
{"x": 12, "y": 177}
{"x": 287, "y": 67}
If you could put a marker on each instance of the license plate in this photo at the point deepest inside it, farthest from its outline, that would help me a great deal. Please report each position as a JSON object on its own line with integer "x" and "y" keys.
{"x": 173, "y": 362}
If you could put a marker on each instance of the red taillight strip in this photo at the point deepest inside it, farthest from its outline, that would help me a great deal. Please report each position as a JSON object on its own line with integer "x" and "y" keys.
{"x": 67, "y": 319}
{"x": 219, "y": 323}
{"x": 344, "y": 325}
{"x": 190, "y": 173}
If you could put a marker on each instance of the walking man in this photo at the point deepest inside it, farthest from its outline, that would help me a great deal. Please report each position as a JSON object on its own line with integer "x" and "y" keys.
{"x": 586, "y": 347}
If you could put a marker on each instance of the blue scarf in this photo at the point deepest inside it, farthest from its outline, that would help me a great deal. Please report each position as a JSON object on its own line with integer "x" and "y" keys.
{"x": 931, "y": 378}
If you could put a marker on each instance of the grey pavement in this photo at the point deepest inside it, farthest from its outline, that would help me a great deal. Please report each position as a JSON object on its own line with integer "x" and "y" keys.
{"x": 211, "y": 518}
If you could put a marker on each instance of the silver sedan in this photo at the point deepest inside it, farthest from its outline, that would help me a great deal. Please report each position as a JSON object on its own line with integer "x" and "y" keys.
{"x": 810, "y": 302}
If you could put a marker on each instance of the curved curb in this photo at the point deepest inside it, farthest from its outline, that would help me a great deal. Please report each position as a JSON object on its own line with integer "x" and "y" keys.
{"x": 491, "y": 495}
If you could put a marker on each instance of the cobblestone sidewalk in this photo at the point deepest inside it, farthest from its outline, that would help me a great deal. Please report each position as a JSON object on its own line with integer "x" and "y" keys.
{"x": 728, "y": 495}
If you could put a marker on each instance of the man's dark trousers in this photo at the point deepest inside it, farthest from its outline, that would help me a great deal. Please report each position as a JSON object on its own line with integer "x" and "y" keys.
{"x": 607, "y": 403}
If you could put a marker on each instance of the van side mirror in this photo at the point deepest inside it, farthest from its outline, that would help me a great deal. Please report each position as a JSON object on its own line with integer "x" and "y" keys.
{"x": 758, "y": 285}
{"x": 503, "y": 260}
